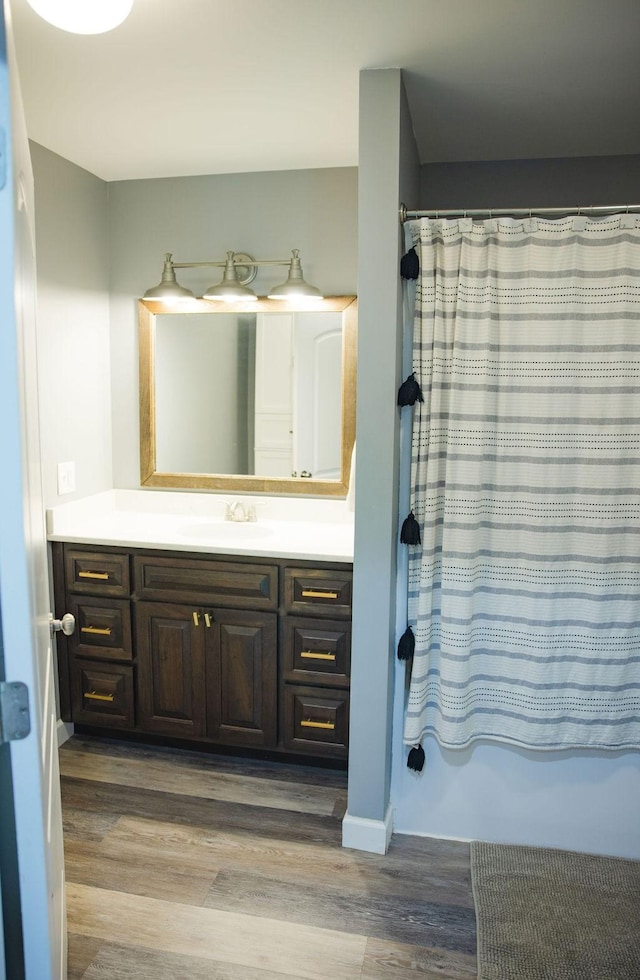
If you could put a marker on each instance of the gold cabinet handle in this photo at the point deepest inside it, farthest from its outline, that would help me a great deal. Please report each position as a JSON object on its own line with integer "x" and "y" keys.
{"x": 307, "y": 723}
{"x": 207, "y": 620}
{"x": 196, "y": 618}
{"x": 318, "y": 594}
{"x": 316, "y": 655}
{"x": 96, "y": 630}
{"x": 92, "y": 696}
{"x": 101, "y": 575}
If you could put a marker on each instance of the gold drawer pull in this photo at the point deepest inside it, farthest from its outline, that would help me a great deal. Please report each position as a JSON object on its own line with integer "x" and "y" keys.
{"x": 196, "y": 618}
{"x": 92, "y": 696}
{"x": 307, "y": 723}
{"x": 104, "y": 576}
{"x": 96, "y": 630}
{"x": 207, "y": 620}
{"x": 312, "y": 655}
{"x": 317, "y": 594}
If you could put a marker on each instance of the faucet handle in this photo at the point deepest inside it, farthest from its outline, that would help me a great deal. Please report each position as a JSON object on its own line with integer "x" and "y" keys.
{"x": 251, "y": 513}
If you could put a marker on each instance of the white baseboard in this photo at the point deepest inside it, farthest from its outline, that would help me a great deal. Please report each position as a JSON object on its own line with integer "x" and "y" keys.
{"x": 433, "y": 836}
{"x": 365, "y": 834}
{"x": 64, "y": 731}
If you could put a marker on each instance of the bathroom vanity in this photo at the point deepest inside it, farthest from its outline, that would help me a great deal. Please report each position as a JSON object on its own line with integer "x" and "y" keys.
{"x": 216, "y": 619}
{"x": 202, "y": 630}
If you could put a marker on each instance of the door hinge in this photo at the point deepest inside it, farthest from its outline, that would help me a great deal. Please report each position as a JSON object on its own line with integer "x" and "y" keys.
{"x": 15, "y": 722}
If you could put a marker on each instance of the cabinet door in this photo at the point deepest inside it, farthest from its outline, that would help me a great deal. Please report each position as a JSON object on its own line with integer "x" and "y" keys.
{"x": 241, "y": 678}
{"x": 171, "y": 681}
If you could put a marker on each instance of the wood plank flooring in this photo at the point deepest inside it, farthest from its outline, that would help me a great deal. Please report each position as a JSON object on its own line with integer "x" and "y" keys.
{"x": 186, "y": 866}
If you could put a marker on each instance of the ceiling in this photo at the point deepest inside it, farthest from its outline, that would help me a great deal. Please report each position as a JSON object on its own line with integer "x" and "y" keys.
{"x": 216, "y": 86}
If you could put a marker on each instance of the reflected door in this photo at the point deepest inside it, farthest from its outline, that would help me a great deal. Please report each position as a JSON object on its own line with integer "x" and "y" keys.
{"x": 273, "y": 454}
{"x": 317, "y": 413}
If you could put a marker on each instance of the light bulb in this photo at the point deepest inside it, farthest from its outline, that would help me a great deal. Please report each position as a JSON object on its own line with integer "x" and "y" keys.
{"x": 81, "y": 16}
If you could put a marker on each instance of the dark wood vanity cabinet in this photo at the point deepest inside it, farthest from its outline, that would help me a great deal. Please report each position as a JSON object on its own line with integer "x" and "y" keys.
{"x": 241, "y": 652}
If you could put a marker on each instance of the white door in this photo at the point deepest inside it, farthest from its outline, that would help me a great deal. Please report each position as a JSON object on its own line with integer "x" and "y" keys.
{"x": 24, "y": 589}
{"x": 317, "y": 414}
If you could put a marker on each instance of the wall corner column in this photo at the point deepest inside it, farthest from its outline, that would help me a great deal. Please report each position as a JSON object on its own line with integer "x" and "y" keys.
{"x": 368, "y": 822}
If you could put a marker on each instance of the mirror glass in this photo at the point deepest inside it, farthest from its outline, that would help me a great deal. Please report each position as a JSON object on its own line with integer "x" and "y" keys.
{"x": 253, "y": 397}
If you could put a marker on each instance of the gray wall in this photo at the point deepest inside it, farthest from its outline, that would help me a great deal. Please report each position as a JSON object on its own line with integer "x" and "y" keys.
{"x": 72, "y": 255}
{"x": 576, "y": 182}
{"x": 199, "y": 219}
{"x": 388, "y": 170}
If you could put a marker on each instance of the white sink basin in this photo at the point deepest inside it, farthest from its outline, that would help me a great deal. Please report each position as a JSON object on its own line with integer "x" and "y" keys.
{"x": 226, "y": 530}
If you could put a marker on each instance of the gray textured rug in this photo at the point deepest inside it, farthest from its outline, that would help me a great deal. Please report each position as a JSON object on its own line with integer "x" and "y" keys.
{"x": 555, "y": 915}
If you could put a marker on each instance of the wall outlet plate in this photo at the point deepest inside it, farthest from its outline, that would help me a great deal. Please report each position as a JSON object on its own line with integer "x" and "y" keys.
{"x": 66, "y": 477}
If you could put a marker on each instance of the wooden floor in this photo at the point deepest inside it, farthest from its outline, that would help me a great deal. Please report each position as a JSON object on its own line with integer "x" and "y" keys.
{"x": 184, "y": 866}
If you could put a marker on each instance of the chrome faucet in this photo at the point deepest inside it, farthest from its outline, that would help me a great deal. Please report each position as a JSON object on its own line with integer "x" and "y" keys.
{"x": 237, "y": 512}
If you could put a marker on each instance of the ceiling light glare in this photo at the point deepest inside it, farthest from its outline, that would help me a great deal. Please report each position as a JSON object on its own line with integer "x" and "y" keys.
{"x": 83, "y": 16}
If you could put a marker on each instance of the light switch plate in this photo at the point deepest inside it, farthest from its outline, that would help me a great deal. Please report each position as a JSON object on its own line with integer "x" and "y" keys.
{"x": 66, "y": 477}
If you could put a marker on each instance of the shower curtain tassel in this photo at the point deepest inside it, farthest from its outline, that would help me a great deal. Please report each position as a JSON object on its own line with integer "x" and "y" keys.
{"x": 415, "y": 762}
{"x": 409, "y": 391}
{"x": 407, "y": 645}
{"x": 410, "y": 533}
{"x": 410, "y": 265}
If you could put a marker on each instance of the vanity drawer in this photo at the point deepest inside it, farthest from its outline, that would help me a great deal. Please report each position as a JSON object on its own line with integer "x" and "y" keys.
{"x": 230, "y": 584}
{"x": 102, "y": 694}
{"x": 316, "y": 591}
{"x": 97, "y": 573}
{"x": 316, "y": 722}
{"x": 103, "y": 628}
{"x": 316, "y": 651}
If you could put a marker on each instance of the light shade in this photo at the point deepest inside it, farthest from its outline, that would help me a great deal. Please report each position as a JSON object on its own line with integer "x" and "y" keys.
{"x": 83, "y": 16}
{"x": 168, "y": 289}
{"x": 295, "y": 288}
{"x": 231, "y": 289}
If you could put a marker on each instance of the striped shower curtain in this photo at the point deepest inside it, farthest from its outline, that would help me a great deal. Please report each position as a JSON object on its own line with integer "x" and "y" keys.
{"x": 524, "y": 593}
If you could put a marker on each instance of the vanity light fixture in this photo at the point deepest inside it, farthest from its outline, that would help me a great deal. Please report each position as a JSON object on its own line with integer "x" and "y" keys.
{"x": 234, "y": 288}
{"x": 295, "y": 287}
{"x": 81, "y": 16}
{"x": 239, "y": 270}
{"x": 169, "y": 289}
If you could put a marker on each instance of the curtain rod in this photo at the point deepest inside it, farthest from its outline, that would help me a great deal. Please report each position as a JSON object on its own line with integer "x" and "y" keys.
{"x": 516, "y": 212}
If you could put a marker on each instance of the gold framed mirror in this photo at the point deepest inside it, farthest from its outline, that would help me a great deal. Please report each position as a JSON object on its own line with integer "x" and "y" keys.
{"x": 248, "y": 397}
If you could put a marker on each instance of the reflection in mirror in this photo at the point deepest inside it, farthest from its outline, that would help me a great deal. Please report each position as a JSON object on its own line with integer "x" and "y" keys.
{"x": 255, "y": 398}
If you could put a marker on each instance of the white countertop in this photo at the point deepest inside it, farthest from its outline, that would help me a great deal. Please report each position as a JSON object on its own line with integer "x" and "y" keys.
{"x": 286, "y": 527}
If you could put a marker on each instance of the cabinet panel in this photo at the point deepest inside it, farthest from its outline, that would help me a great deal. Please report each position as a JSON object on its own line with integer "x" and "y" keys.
{"x": 102, "y": 694}
{"x": 317, "y": 592}
{"x": 242, "y": 679}
{"x": 316, "y": 722}
{"x": 230, "y": 584}
{"x": 96, "y": 572}
{"x": 171, "y": 682}
{"x": 103, "y": 628}
{"x": 316, "y": 651}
